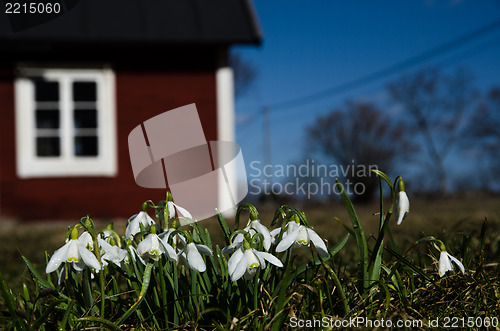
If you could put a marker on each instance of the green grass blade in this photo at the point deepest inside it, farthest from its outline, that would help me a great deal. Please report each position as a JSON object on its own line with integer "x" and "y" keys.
{"x": 145, "y": 284}
{"x": 225, "y": 228}
{"x": 340, "y": 290}
{"x": 42, "y": 282}
{"x": 11, "y": 304}
{"x": 359, "y": 235}
{"x": 102, "y": 321}
{"x": 405, "y": 261}
{"x": 64, "y": 321}
{"x": 46, "y": 314}
{"x": 375, "y": 267}
{"x": 335, "y": 249}
{"x": 87, "y": 291}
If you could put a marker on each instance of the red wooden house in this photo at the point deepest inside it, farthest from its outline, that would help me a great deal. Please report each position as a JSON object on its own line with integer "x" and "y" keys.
{"x": 73, "y": 88}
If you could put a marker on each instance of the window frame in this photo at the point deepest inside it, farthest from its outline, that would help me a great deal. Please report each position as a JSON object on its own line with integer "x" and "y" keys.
{"x": 29, "y": 165}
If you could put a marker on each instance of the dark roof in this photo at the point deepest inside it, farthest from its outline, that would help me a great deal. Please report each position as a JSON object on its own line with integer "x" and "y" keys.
{"x": 193, "y": 22}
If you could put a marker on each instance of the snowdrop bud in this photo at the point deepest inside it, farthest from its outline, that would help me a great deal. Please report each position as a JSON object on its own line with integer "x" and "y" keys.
{"x": 401, "y": 185}
{"x": 403, "y": 203}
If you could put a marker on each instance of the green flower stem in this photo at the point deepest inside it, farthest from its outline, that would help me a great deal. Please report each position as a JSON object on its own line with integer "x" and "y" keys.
{"x": 359, "y": 235}
{"x": 163, "y": 291}
{"x": 256, "y": 289}
{"x": 89, "y": 226}
{"x": 338, "y": 285}
{"x": 145, "y": 284}
{"x": 385, "y": 222}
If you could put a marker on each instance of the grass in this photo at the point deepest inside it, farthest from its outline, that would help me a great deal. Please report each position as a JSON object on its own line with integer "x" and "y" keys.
{"x": 457, "y": 221}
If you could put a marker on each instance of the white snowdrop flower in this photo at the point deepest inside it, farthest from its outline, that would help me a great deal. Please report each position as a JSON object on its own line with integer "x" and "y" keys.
{"x": 133, "y": 226}
{"x": 152, "y": 247}
{"x": 185, "y": 216}
{"x": 76, "y": 252}
{"x": 300, "y": 235}
{"x": 244, "y": 263}
{"x": 253, "y": 227}
{"x": 192, "y": 256}
{"x": 402, "y": 206}
{"x": 445, "y": 264}
{"x": 112, "y": 253}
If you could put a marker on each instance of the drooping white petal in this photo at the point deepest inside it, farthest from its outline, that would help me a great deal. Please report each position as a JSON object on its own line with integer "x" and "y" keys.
{"x": 303, "y": 236}
{"x": 457, "y": 262}
{"x": 134, "y": 227}
{"x": 402, "y": 206}
{"x": 289, "y": 239}
{"x": 166, "y": 235}
{"x": 203, "y": 249}
{"x": 269, "y": 257}
{"x": 237, "y": 243}
{"x": 57, "y": 258}
{"x": 122, "y": 255}
{"x": 194, "y": 258}
{"x": 183, "y": 211}
{"x": 86, "y": 240}
{"x": 113, "y": 254}
{"x": 265, "y": 233}
{"x": 171, "y": 210}
{"x": 78, "y": 266}
{"x": 240, "y": 267}
{"x": 253, "y": 263}
{"x": 275, "y": 235}
{"x": 234, "y": 260}
{"x": 444, "y": 264}
{"x": 62, "y": 274}
{"x": 252, "y": 259}
{"x": 186, "y": 217}
{"x": 262, "y": 261}
{"x": 104, "y": 244}
{"x": 88, "y": 257}
{"x": 144, "y": 246}
{"x": 250, "y": 273}
{"x": 228, "y": 249}
{"x": 318, "y": 242}
{"x": 170, "y": 252}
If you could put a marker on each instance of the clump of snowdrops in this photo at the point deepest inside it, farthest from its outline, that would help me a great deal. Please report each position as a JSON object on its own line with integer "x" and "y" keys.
{"x": 165, "y": 272}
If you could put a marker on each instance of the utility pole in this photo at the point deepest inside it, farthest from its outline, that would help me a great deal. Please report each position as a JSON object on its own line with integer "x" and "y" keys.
{"x": 266, "y": 137}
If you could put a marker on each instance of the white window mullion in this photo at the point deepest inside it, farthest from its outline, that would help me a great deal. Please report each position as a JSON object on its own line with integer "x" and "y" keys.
{"x": 31, "y": 122}
{"x": 107, "y": 133}
{"x": 66, "y": 111}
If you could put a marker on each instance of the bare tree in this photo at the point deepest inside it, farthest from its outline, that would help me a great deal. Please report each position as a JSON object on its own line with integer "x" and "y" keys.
{"x": 484, "y": 132}
{"x": 360, "y": 135}
{"x": 244, "y": 73}
{"x": 438, "y": 104}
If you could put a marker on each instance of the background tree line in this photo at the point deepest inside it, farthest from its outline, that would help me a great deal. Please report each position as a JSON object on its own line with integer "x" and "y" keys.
{"x": 434, "y": 114}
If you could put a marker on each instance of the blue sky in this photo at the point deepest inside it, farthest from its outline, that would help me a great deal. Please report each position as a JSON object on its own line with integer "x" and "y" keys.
{"x": 311, "y": 46}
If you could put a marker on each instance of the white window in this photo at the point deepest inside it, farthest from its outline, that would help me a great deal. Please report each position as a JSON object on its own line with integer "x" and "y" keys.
{"x": 65, "y": 122}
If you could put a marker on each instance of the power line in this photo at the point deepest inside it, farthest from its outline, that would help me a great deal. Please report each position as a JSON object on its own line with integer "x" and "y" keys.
{"x": 444, "y": 63}
{"x": 300, "y": 101}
